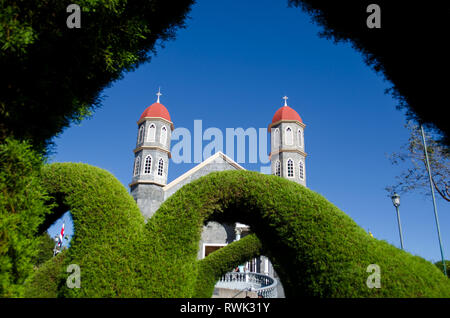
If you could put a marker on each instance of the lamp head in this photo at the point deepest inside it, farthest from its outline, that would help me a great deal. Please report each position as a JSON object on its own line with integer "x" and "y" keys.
{"x": 395, "y": 200}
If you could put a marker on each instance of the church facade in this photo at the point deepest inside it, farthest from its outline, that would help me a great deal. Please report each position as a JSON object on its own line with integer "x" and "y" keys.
{"x": 149, "y": 185}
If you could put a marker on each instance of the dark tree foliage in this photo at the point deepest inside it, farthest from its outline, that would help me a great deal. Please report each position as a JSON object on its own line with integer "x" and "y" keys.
{"x": 52, "y": 75}
{"x": 410, "y": 49}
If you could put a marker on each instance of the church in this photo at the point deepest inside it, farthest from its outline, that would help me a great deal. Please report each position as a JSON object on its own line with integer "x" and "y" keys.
{"x": 149, "y": 185}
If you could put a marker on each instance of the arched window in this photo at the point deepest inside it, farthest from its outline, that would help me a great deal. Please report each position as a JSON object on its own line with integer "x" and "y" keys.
{"x": 290, "y": 168}
{"x": 299, "y": 136}
{"x": 278, "y": 168}
{"x": 137, "y": 166}
{"x": 301, "y": 170}
{"x": 163, "y": 135}
{"x": 160, "y": 167}
{"x": 276, "y": 138}
{"x": 148, "y": 165}
{"x": 151, "y": 133}
{"x": 289, "y": 136}
{"x": 141, "y": 134}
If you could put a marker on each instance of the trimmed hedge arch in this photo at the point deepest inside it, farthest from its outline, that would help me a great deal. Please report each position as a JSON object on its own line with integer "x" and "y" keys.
{"x": 316, "y": 249}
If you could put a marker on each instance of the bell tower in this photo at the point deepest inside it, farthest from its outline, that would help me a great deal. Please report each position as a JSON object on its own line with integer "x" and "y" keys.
{"x": 287, "y": 144}
{"x": 151, "y": 157}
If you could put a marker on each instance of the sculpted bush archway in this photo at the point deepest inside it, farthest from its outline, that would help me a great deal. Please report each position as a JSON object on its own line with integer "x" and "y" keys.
{"x": 316, "y": 249}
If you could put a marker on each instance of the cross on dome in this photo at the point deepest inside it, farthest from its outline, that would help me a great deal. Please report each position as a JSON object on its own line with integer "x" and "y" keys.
{"x": 158, "y": 94}
{"x": 285, "y": 100}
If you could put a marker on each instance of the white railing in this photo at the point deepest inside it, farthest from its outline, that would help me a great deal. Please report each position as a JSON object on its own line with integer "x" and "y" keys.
{"x": 265, "y": 286}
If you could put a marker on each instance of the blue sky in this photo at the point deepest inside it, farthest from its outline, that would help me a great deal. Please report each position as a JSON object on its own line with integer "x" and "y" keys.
{"x": 230, "y": 68}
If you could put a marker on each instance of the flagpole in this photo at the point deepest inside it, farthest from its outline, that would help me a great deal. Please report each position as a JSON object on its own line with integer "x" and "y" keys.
{"x": 434, "y": 200}
{"x": 59, "y": 240}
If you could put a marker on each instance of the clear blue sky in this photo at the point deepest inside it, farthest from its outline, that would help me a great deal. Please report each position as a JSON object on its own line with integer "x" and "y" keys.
{"x": 230, "y": 67}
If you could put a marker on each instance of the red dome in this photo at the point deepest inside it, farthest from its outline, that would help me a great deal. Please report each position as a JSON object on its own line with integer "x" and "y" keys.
{"x": 156, "y": 110}
{"x": 286, "y": 113}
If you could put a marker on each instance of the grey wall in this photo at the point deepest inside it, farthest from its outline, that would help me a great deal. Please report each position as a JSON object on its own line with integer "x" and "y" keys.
{"x": 148, "y": 198}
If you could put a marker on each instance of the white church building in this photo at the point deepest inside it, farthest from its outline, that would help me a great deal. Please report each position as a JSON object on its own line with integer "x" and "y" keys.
{"x": 149, "y": 185}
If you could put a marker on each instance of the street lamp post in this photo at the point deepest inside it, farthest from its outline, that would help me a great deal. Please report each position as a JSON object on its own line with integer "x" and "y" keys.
{"x": 396, "y": 201}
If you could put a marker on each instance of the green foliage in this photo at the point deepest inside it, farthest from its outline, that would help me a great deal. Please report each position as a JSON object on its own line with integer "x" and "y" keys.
{"x": 15, "y": 33}
{"x": 55, "y": 74}
{"x": 48, "y": 280}
{"x": 316, "y": 249}
{"x": 108, "y": 232}
{"x": 441, "y": 266}
{"x": 22, "y": 210}
{"x": 44, "y": 249}
{"x": 212, "y": 267}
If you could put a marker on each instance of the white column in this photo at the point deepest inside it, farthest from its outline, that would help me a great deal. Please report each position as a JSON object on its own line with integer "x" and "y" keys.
{"x": 238, "y": 232}
{"x": 266, "y": 265}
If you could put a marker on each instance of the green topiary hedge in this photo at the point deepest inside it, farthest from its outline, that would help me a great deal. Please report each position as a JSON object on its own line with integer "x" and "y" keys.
{"x": 316, "y": 249}
{"x": 22, "y": 209}
{"x": 44, "y": 249}
{"x": 212, "y": 267}
{"x": 108, "y": 230}
{"x": 441, "y": 266}
{"x": 47, "y": 281}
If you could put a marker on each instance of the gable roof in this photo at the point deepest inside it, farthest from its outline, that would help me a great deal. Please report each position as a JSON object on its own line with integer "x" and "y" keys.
{"x": 211, "y": 159}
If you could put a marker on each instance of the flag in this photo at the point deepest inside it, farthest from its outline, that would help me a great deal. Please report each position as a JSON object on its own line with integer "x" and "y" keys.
{"x": 61, "y": 235}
